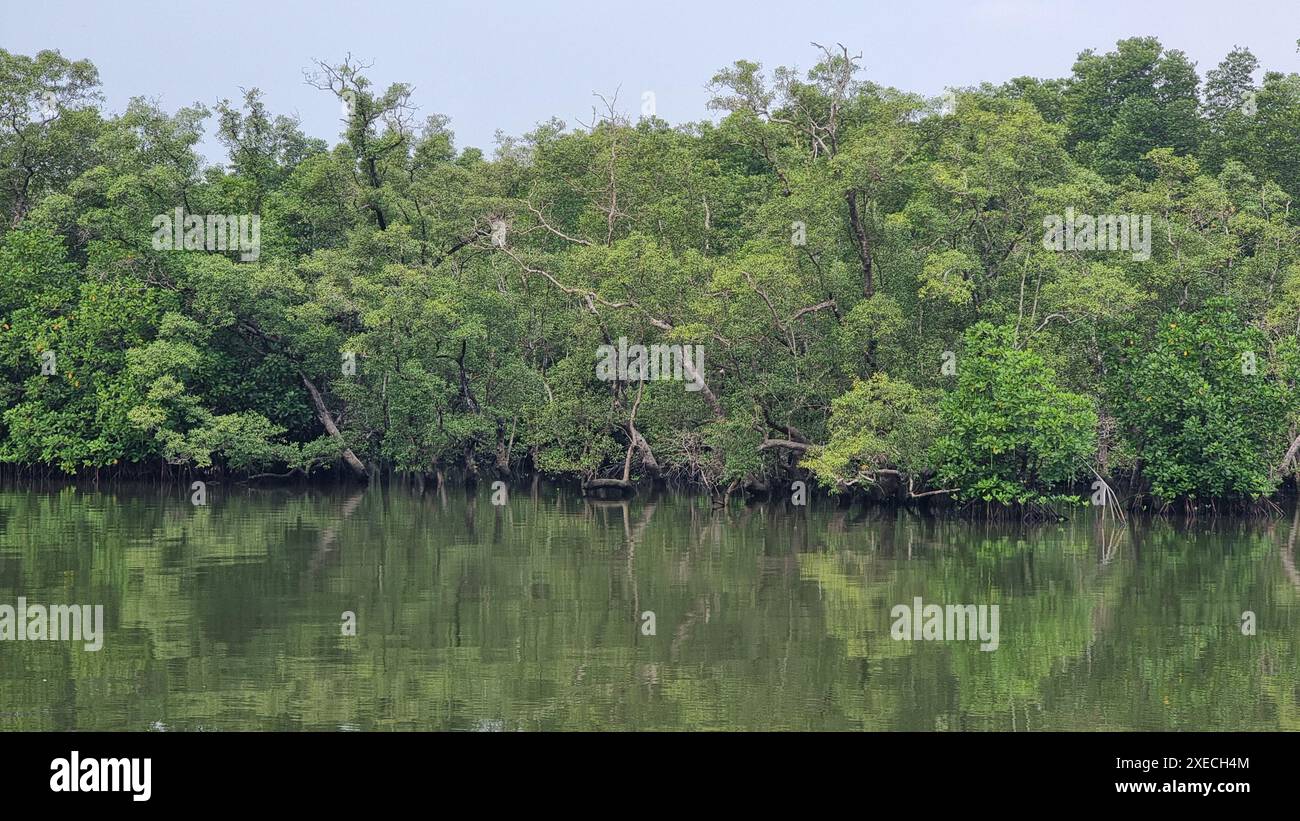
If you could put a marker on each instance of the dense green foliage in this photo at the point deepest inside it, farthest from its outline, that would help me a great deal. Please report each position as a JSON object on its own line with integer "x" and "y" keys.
{"x": 845, "y": 254}
{"x": 1197, "y": 406}
{"x": 1012, "y": 433}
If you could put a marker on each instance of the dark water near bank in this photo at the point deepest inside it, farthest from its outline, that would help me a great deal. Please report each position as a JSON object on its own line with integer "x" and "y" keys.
{"x": 528, "y": 617}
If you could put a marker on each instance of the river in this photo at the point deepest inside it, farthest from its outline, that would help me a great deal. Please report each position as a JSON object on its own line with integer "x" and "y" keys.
{"x": 308, "y": 608}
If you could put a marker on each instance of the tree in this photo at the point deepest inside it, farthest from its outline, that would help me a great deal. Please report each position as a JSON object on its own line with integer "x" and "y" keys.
{"x": 881, "y": 427}
{"x": 1122, "y": 104}
{"x": 1009, "y": 433}
{"x": 1201, "y": 405}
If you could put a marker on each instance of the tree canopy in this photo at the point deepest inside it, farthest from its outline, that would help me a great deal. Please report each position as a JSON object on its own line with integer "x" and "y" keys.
{"x": 864, "y": 270}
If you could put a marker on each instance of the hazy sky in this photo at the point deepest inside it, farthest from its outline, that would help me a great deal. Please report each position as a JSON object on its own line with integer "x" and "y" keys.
{"x": 508, "y": 64}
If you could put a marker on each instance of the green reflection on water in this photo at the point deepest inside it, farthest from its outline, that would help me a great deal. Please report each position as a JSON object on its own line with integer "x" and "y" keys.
{"x": 528, "y": 617}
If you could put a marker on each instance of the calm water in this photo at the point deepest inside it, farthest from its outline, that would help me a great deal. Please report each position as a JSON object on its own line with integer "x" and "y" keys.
{"x": 528, "y": 617}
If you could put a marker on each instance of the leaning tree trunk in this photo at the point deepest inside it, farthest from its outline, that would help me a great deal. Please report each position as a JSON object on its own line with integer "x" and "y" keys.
{"x": 327, "y": 420}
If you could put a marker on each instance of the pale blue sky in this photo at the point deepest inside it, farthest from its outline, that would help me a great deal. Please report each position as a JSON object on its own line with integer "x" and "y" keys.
{"x": 511, "y": 63}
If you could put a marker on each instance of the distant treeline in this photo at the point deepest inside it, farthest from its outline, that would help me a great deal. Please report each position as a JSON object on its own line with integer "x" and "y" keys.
{"x": 1015, "y": 295}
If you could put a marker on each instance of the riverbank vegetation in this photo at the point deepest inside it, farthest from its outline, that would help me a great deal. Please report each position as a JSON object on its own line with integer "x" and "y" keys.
{"x": 870, "y": 275}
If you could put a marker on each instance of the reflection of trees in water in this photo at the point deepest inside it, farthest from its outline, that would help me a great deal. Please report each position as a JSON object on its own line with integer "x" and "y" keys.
{"x": 1048, "y": 589}
{"x": 1173, "y": 655}
{"x": 326, "y": 545}
{"x": 1288, "y": 553}
{"x": 228, "y": 616}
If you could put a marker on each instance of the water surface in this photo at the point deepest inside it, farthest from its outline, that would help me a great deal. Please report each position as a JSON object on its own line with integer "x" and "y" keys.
{"x": 530, "y": 616}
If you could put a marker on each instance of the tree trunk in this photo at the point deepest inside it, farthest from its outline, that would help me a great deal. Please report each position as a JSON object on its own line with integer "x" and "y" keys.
{"x": 862, "y": 244}
{"x": 327, "y": 420}
{"x": 1289, "y": 459}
